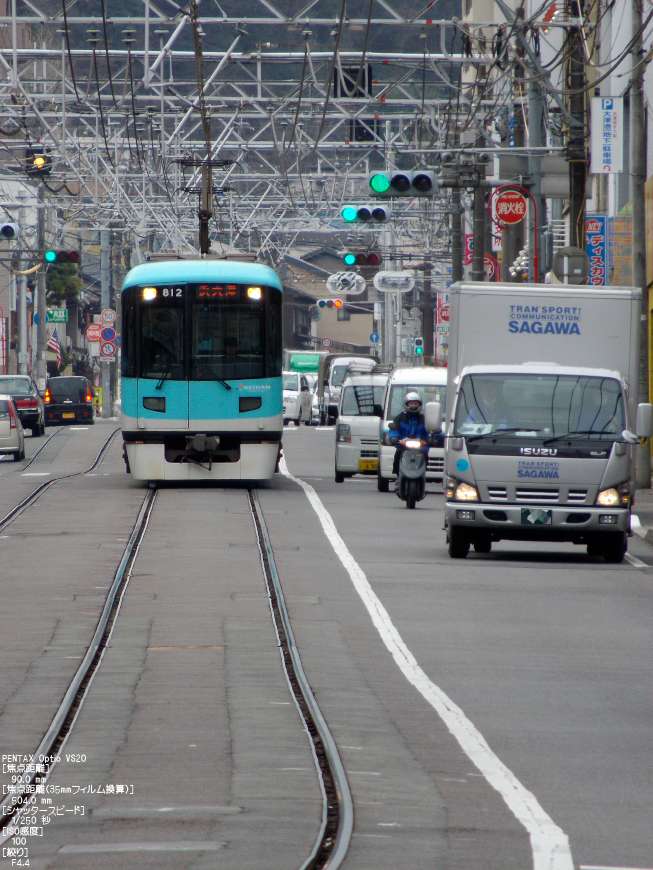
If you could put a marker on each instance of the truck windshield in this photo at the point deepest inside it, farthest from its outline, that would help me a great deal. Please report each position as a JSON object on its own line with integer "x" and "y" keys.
{"x": 544, "y": 406}
{"x": 359, "y": 401}
{"x": 290, "y": 381}
{"x": 428, "y": 392}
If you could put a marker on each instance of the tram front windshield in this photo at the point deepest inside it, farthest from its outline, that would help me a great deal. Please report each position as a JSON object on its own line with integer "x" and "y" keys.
{"x": 207, "y": 332}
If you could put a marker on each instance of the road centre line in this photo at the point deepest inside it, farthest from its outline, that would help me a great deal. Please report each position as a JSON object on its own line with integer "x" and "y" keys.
{"x": 549, "y": 843}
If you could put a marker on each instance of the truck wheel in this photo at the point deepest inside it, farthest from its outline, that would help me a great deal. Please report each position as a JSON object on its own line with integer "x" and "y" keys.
{"x": 458, "y": 543}
{"x": 483, "y": 545}
{"x": 340, "y": 477}
{"x": 382, "y": 483}
{"x": 615, "y": 545}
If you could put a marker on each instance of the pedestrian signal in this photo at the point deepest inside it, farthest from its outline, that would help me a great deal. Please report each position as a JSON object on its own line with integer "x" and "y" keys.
{"x": 422, "y": 182}
{"x": 419, "y": 346}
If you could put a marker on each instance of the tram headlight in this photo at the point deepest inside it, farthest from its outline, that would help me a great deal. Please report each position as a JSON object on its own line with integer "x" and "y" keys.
{"x": 254, "y": 293}
{"x": 149, "y": 293}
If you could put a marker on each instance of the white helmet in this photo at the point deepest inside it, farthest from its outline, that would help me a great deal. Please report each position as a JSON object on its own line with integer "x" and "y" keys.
{"x": 412, "y": 397}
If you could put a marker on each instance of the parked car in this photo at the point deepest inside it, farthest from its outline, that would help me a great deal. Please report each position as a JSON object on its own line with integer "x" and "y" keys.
{"x": 296, "y": 398}
{"x": 27, "y": 400}
{"x": 69, "y": 399}
{"x": 12, "y": 435}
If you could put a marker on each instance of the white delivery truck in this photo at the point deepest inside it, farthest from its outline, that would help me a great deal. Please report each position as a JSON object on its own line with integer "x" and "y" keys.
{"x": 357, "y": 425}
{"x": 541, "y": 398}
{"x": 431, "y": 384}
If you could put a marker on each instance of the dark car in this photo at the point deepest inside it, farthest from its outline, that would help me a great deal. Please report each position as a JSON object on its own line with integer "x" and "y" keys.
{"x": 27, "y": 400}
{"x": 69, "y": 400}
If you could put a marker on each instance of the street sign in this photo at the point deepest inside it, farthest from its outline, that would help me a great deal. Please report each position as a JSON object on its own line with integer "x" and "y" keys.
{"x": 108, "y": 333}
{"x": 374, "y": 337}
{"x": 93, "y": 332}
{"x": 492, "y": 266}
{"x": 326, "y": 342}
{"x": 107, "y": 348}
{"x": 444, "y": 312}
{"x": 118, "y": 341}
{"x": 57, "y": 315}
{"x": 511, "y": 207}
{"x": 394, "y": 282}
{"x": 108, "y": 315}
{"x": 346, "y": 283}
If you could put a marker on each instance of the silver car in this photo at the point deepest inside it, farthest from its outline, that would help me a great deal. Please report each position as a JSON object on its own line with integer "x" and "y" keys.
{"x": 12, "y": 435}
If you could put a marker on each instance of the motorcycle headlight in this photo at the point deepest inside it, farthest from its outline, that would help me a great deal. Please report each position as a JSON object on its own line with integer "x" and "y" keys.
{"x": 609, "y": 497}
{"x": 344, "y": 432}
{"x": 466, "y": 492}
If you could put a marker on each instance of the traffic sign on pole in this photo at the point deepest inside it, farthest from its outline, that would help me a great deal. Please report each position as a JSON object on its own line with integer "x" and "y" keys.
{"x": 93, "y": 332}
{"x": 107, "y": 348}
{"x": 108, "y": 333}
{"x": 326, "y": 342}
{"x": 374, "y": 337}
{"x": 108, "y": 315}
{"x": 511, "y": 207}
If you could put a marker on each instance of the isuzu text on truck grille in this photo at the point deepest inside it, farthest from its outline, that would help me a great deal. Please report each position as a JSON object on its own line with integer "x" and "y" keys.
{"x": 545, "y": 319}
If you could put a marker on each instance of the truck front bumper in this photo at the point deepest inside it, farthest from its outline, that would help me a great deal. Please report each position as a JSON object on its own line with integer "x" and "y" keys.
{"x": 536, "y": 522}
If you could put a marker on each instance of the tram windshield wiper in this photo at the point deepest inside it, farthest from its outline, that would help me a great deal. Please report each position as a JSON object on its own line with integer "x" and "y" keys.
{"x": 216, "y": 376}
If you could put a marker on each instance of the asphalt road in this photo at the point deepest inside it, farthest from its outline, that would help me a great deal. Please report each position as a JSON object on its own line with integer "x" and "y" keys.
{"x": 545, "y": 651}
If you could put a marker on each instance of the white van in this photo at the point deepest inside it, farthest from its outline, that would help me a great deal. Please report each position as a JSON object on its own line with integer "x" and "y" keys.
{"x": 330, "y": 377}
{"x": 431, "y": 384}
{"x": 357, "y": 426}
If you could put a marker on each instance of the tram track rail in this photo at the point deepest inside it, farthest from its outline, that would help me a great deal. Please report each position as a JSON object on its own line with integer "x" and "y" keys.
{"x": 335, "y": 831}
{"x": 29, "y": 500}
{"x": 333, "y": 839}
{"x": 64, "y": 718}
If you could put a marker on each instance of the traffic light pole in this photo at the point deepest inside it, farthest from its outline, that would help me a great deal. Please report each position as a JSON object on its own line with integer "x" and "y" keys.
{"x": 41, "y": 340}
{"x": 105, "y": 285}
{"x": 21, "y": 307}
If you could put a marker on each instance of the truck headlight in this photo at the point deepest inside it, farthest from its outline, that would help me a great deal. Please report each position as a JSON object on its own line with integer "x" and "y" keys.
{"x": 466, "y": 492}
{"x": 344, "y": 432}
{"x": 609, "y": 497}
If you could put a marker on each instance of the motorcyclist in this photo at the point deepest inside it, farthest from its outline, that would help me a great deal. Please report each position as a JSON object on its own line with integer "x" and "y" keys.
{"x": 408, "y": 424}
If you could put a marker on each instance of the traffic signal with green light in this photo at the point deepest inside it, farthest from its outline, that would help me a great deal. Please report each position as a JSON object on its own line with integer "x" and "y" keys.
{"x": 421, "y": 182}
{"x": 53, "y": 256}
{"x": 419, "y": 346}
{"x": 375, "y": 214}
{"x": 329, "y": 303}
{"x": 363, "y": 258}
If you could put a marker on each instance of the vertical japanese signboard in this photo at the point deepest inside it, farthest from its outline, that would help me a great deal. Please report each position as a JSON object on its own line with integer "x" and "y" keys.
{"x": 596, "y": 247}
{"x": 607, "y": 134}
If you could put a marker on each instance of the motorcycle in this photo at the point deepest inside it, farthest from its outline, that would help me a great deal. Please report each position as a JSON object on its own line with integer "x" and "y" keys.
{"x": 411, "y": 481}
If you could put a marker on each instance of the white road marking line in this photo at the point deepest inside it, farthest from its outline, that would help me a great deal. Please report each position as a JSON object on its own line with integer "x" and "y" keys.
{"x": 549, "y": 843}
{"x": 36, "y": 474}
{"x": 636, "y": 526}
{"x": 605, "y": 867}
{"x": 635, "y": 562}
{"x": 167, "y": 846}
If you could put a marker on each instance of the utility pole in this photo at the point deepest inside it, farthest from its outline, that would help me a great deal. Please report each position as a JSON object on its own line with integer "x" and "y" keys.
{"x": 21, "y": 308}
{"x": 536, "y": 139}
{"x": 41, "y": 306}
{"x": 577, "y": 152}
{"x": 105, "y": 296}
{"x": 456, "y": 235}
{"x": 637, "y": 182}
{"x": 478, "y": 259}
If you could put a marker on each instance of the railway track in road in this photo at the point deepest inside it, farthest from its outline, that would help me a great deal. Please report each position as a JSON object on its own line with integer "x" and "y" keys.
{"x": 332, "y": 841}
{"x": 29, "y": 500}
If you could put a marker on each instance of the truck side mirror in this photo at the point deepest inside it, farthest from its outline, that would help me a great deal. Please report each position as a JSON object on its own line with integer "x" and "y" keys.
{"x": 433, "y": 416}
{"x": 644, "y": 425}
{"x": 378, "y": 410}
